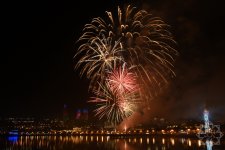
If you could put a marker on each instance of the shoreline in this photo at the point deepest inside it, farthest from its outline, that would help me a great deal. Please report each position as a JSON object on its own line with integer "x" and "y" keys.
{"x": 111, "y": 135}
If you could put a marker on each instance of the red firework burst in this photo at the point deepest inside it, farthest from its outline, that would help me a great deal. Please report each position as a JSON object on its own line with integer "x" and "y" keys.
{"x": 122, "y": 80}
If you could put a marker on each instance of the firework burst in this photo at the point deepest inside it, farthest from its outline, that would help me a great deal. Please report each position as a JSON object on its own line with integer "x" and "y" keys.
{"x": 132, "y": 37}
{"x": 121, "y": 80}
{"x": 135, "y": 37}
{"x": 112, "y": 105}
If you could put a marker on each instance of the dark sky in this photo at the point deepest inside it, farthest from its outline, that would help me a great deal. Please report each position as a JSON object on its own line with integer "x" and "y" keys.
{"x": 38, "y": 46}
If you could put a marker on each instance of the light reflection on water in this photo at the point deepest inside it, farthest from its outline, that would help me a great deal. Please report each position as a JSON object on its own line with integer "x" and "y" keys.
{"x": 102, "y": 142}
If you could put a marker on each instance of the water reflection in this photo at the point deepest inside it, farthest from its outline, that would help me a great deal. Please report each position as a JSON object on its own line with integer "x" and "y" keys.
{"x": 172, "y": 141}
{"x": 189, "y": 142}
{"x": 209, "y": 144}
{"x": 104, "y": 142}
{"x": 13, "y": 139}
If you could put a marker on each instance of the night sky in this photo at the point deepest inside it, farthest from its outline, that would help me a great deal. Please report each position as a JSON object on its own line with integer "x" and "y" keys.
{"x": 38, "y": 45}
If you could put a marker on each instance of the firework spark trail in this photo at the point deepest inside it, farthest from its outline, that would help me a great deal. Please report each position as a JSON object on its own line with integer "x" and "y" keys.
{"x": 122, "y": 80}
{"x": 99, "y": 55}
{"x": 132, "y": 37}
{"x": 112, "y": 105}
